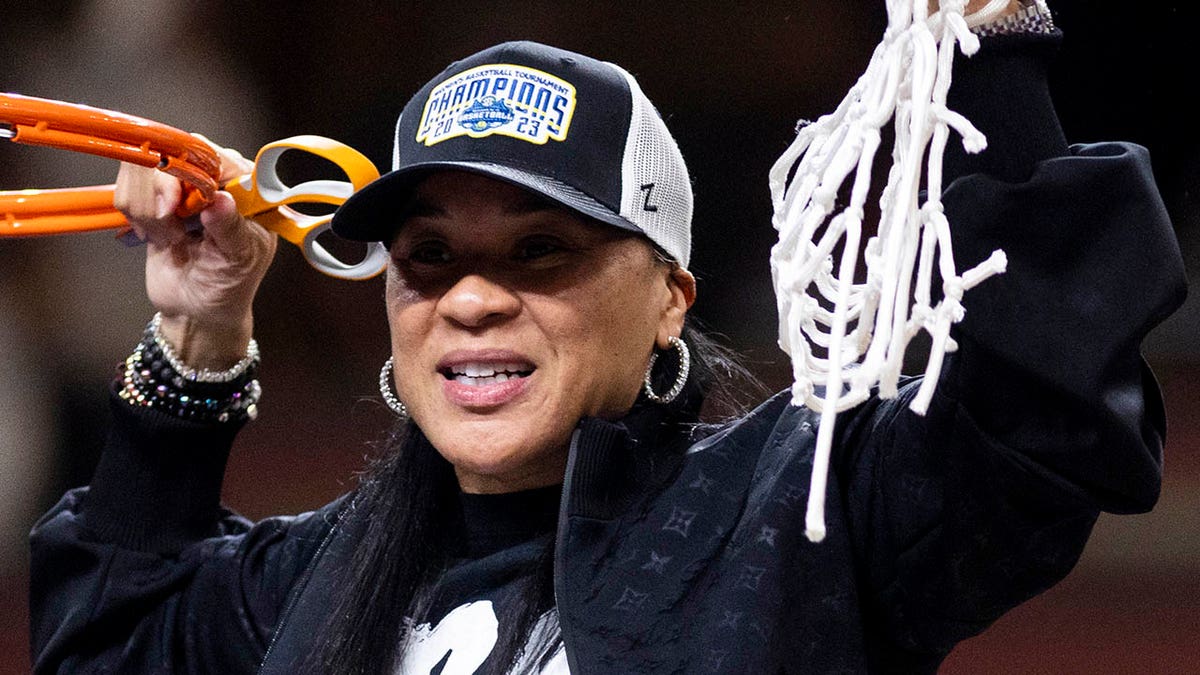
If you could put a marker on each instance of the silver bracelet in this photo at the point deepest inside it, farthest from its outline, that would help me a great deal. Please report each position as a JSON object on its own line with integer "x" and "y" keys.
{"x": 1033, "y": 17}
{"x": 150, "y": 385}
{"x": 190, "y": 374}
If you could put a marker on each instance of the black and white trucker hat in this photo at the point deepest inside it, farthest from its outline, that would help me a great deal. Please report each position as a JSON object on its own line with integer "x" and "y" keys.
{"x": 577, "y": 130}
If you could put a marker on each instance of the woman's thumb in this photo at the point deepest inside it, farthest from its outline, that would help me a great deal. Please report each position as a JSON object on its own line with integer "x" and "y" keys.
{"x": 222, "y": 222}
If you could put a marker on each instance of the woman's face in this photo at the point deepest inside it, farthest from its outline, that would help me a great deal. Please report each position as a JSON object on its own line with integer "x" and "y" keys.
{"x": 512, "y": 318}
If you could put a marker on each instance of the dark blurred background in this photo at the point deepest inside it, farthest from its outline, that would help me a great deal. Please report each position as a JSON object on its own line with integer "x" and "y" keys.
{"x": 731, "y": 80}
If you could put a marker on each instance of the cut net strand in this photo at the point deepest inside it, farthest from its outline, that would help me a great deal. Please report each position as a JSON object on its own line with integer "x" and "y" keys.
{"x": 865, "y": 328}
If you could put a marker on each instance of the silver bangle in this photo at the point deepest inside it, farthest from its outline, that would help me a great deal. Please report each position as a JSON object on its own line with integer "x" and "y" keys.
{"x": 190, "y": 374}
{"x": 139, "y": 386}
{"x": 1033, "y": 17}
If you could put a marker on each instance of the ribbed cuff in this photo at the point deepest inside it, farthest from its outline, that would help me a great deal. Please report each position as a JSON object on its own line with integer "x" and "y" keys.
{"x": 602, "y": 478}
{"x": 1003, "y": 91}
{"x": 158, "y": 484}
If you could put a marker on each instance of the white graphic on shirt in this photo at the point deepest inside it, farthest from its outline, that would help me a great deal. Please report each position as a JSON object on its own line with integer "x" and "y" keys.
{"x": 462, "y": 641}
{"x": 466, "y": 635}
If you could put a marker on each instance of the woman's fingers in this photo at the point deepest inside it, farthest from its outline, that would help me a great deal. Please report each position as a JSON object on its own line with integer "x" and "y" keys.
{"x": 236, "y": 237}
{"x": 233, "y": 164}
{"x": 148, "y": 198}
{"x": 221, "y": 220}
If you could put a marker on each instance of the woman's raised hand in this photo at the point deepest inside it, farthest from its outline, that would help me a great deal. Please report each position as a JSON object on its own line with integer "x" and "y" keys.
{"x": 202, "y": 272}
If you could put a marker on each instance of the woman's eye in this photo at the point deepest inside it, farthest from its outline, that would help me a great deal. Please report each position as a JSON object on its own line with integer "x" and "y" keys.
{"x": 429, "y": 254}
{"x": 538, "y": 249}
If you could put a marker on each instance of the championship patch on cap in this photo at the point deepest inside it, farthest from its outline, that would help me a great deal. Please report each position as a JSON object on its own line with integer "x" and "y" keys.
{"x": 502, "y": 99}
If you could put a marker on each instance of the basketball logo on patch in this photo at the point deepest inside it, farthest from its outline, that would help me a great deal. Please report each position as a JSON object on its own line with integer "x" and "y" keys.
{"x": 498, "y": 99}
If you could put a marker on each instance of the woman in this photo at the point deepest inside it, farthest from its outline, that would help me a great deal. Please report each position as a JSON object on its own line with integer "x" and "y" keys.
{"x": 542, "y": 506}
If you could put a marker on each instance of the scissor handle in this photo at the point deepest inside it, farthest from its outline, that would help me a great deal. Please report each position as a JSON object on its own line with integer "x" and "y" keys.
{"x": 264, "y": 196}
{"x": 261, "y": 194}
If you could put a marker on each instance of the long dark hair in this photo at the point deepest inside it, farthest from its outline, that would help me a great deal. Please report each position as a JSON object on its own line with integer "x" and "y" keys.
{"x": 408, "y": 501}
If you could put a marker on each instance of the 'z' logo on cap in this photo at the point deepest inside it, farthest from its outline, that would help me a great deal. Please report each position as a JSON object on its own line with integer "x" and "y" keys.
{"x": 648, "y": 188}
{"x": 502, "y": 99}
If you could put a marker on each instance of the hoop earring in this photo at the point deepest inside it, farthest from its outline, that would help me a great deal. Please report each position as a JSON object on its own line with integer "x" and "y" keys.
{"x": 385, "y": 389}
{"x": 685, "y": 365}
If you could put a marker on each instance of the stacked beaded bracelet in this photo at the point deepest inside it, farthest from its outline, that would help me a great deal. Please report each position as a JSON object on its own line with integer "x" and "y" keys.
{"x": 154, "y": 377}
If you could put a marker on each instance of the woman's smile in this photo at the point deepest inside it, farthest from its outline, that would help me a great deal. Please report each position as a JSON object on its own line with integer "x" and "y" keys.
{"x": 484, "y": 379}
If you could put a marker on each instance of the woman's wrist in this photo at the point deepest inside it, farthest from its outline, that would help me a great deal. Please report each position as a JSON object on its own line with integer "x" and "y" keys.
{"x": 203, "y": 345}
{"x": 203, "y": 370}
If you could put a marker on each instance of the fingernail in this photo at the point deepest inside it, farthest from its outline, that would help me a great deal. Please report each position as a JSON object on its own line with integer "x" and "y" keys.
{"x": 130, "y": 238}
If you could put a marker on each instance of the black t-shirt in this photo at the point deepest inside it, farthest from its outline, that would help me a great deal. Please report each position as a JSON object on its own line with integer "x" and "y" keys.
{"x": 506, "y": 537}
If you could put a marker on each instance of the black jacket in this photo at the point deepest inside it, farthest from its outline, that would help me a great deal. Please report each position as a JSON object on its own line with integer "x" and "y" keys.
{"x": 936, "y": 525}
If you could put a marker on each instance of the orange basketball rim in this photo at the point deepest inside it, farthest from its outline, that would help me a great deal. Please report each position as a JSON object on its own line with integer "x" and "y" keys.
{"x": 35, "y": 121}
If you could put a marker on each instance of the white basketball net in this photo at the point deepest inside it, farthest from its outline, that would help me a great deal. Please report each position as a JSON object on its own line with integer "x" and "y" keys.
{"x": 864, "y": 328}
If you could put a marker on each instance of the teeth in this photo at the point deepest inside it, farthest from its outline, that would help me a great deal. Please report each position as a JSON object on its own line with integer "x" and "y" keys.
{"x": 485, "y": 380}
{"x": 483, "y": 374}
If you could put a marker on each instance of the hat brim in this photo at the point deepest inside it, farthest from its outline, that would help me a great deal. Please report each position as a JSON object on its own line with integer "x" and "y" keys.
{"x": 375, "y": 212}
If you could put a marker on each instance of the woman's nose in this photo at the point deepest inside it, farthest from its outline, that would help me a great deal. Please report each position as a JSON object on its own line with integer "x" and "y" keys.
{"x": 476, "y": 301}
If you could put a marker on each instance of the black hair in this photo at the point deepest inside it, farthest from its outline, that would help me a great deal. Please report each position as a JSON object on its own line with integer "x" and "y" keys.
{"x": 407, "y": 499}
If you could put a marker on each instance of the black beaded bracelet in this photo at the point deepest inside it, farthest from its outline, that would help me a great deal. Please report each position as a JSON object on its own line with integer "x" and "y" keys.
{"x": 162, "y": 371}
{"x": 151, "y": 378}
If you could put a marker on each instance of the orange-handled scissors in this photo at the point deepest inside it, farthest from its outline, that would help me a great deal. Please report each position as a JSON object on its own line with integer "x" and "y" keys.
{"x": 260, "y": 194}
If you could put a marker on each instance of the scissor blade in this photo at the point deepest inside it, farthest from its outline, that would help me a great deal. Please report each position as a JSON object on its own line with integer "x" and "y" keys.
{"x": 7, "y": 132}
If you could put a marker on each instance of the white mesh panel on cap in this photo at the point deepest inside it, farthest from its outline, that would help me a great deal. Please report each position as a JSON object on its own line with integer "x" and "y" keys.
{"x": 656, "y": 193}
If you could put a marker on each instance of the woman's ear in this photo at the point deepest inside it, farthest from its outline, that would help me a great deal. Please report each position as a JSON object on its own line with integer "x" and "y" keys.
{"x": 682, "y": 288}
